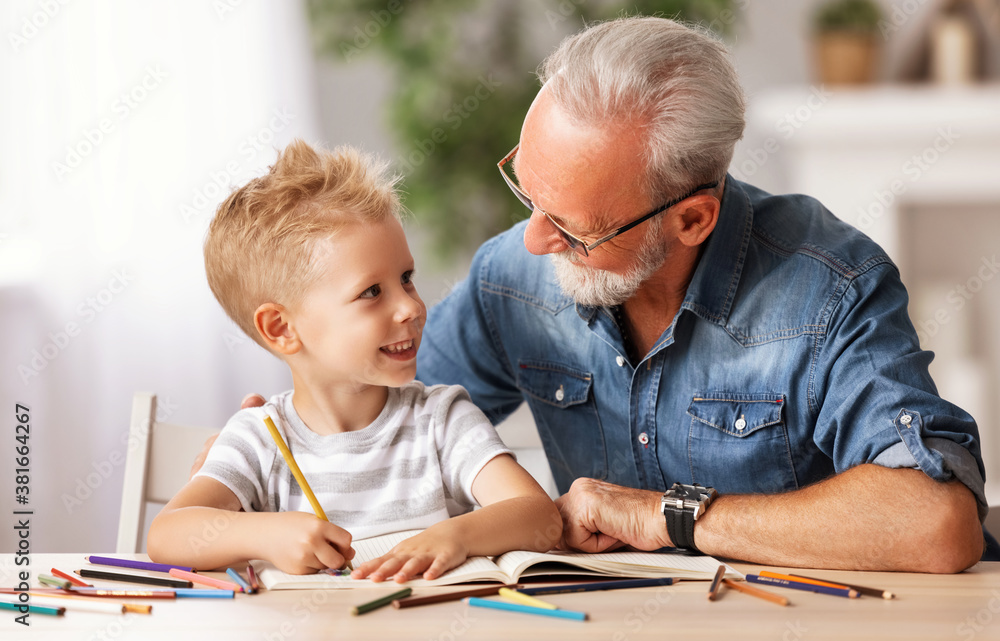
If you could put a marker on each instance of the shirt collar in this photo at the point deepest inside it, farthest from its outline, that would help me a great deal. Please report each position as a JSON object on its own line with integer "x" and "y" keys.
{"x": 713, "y": 285}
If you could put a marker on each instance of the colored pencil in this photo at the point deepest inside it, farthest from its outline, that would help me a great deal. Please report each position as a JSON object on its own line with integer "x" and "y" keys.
{"x": 32, "y": 609}
{"x": 450, "y": 596}
{"x": 597, "y": 585}
{"x": 807, "y": 587}
{"x": 126, "y": 607}
{"x": 885, "y": 594}
{"x": 83, "y": 604}
{"x": 69, "y": 577}
{"x": 133, "y": 578}
{"x": 713, "y": 590}
{"x": 240, "y": 581}
{"x": 205, "y": 580}
{"x": 134, "y": 565}
{"x": 516, "y": 597}
{"x": 381, "y": 601}
{"x": 45, "y": 579}
{"x": 297, "y": 473}
{"x": 752, "y": 591}
{"x": 98, "y": 592}
{"x": 199, "y": 593}
{"x": 526, "y": 609}
{"x": 252, "y": 575}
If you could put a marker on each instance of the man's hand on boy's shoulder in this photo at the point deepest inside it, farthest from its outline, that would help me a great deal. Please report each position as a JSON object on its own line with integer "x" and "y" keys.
{"x": 250, "y": 400}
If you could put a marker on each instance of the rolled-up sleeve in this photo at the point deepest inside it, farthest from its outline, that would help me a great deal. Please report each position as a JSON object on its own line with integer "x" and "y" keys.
{"x": 877, "y": 402}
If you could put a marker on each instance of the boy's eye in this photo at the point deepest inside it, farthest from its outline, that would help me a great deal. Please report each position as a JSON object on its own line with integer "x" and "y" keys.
{"x": 371, "y": 292}
{"x": 407, "y": 277}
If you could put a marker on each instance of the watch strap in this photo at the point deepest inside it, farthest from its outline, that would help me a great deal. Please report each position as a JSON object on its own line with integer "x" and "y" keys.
{"x": 680, "y": 527}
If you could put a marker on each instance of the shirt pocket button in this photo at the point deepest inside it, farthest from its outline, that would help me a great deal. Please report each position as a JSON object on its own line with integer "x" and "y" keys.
{"x": 740, "y": 424}
{"x": 560, "y": 394}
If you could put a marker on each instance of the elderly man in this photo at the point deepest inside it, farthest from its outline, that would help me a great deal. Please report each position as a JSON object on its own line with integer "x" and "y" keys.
{"x": 749, "y": 354}
{"x": 688, "y": 328}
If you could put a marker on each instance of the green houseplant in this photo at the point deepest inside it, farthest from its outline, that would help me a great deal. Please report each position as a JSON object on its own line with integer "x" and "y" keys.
{"x": 463, "y": 80}
{"x": 847, "y": 45}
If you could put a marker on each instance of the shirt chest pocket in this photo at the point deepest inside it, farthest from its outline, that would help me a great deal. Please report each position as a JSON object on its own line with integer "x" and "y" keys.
{"x": 738, "y": 442}
{"x": 563, "y": 406}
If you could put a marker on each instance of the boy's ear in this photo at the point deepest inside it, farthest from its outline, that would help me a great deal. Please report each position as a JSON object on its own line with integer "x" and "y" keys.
{"x": 273, "y": 324}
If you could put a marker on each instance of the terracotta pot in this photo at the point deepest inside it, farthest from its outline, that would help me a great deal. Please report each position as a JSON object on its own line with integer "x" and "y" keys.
{"x": 845, "y": 58}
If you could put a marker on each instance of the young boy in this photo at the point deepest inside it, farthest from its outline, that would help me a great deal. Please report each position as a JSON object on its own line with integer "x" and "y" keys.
{"x": 310, "y": 260}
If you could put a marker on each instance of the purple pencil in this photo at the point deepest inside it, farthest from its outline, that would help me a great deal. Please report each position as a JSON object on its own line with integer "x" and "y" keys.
{"x": 135, "y": 565}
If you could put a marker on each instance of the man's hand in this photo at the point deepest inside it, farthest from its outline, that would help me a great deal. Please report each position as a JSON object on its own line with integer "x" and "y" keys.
{"x": 250, "y": 400}
{"x": 599, "y": 516}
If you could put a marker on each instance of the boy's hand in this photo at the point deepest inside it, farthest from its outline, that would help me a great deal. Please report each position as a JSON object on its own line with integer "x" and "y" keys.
{"x": 300, "y": 543}
{"x": 432, "y": 553}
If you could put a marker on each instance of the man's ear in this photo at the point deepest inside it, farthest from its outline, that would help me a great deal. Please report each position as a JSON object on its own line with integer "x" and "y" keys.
{"x": 695, "y": 219}
{"x": 273, "y": 323}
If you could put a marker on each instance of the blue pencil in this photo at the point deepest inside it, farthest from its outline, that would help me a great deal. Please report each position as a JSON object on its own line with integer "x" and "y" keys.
{"x": 526, "y": 609}
{"x": 240, "y": 581}
{"x": 597, "y": 585}
{"x": 808, "y": 587}
{"x": 198, "y": 593}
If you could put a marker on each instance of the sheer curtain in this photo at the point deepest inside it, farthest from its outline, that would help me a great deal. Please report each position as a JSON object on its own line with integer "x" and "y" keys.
{"x": 123, "y": 124}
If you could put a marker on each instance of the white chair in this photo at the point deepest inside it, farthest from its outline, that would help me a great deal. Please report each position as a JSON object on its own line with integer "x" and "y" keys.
{"x": 157, "y": 465}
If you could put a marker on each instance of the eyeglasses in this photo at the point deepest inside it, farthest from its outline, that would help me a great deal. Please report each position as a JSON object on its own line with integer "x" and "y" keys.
{"x": 573, "y": 242}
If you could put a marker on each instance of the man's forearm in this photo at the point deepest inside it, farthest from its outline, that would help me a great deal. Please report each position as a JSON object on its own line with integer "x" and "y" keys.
{"x": 868, "y": 518}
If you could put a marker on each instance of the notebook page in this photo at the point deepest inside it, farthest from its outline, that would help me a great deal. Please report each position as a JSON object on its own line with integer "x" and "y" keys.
{"x": 626, "y": 564}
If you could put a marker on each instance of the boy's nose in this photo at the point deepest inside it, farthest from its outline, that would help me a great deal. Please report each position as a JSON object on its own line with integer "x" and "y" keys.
{"x": 410, "y": 307}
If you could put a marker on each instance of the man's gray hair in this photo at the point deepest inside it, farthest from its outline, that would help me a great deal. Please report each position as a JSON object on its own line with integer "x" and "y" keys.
{"x": 675, "y": 81}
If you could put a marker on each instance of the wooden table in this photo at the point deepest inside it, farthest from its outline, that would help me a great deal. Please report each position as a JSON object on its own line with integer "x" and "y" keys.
{"x": 964, "y": 606}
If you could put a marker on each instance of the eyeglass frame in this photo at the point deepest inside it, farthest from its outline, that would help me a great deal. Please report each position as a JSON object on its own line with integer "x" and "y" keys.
{"x": 573, "y": 242}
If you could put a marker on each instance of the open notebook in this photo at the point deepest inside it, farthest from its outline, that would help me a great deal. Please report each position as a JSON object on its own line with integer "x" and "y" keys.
{"x": 506, "y": 568}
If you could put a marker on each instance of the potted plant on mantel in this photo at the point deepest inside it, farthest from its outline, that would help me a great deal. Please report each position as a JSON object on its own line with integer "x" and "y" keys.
{"x": 847, "y": 43}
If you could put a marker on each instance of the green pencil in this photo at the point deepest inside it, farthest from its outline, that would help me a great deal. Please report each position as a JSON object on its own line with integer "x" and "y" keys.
{"x": 32, "y": 609}
{"x": 381, "y": 602}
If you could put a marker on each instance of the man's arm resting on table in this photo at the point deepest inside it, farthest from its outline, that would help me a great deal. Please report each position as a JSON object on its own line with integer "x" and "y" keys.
{"x": 867, "y": 518}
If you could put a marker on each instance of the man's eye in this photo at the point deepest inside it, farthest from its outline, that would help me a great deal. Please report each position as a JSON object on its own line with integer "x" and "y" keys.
{"x": 371, "y": 292}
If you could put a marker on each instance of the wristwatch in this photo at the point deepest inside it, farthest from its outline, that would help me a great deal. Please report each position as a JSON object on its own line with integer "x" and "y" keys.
{"x": 681, "y": 506}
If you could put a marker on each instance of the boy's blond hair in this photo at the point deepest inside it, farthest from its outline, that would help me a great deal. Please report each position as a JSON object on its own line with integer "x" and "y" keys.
{"x": 261, "y": 245}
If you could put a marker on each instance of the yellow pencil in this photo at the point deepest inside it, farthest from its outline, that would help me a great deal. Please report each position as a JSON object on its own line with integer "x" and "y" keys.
{"x": 524, "y": 599}
{"x": 296, "y": 472}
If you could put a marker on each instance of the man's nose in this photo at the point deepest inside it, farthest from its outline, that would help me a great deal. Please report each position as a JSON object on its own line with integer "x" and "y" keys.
{"x": 540, "y": 237}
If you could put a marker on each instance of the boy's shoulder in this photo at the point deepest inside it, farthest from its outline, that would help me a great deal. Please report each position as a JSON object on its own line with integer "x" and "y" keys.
{"x": 251, "y": 419}
{"x": 441, "y": 403}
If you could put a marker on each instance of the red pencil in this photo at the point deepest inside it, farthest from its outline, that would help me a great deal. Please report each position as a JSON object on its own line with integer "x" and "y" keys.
{"x": 72, "y": 579}
{"x": 252, "y": 575}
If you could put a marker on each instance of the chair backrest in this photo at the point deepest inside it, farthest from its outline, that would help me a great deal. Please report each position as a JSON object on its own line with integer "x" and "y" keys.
{"x": 157, "y": 465}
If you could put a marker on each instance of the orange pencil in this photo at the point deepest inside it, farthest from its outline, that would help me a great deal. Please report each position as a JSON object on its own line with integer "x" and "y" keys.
{"x": 802, "y": 579}
{"x": 204, "y": 580}
{"x": 757, "y": 592}
{"x": 72, "y": 579}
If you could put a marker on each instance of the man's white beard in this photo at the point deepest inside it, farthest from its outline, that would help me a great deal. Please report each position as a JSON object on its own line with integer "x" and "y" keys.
{"x": 600, "y": 288}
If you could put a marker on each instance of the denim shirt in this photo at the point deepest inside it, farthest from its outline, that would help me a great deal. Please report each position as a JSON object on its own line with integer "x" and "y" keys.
{"x": 792, "y": 358}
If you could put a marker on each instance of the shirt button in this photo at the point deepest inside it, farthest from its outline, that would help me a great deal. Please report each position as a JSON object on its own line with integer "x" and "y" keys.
{"x": 906, "y": 419}
{"x": 643, "y": 438}
{"x": 621, "y": 361}
{"x": 741, "y": 424}
{"x": 560, "y": 394}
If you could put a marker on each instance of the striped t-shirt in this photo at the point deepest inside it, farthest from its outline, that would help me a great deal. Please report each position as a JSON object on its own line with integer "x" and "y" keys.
{"x": 411, "y": 468}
